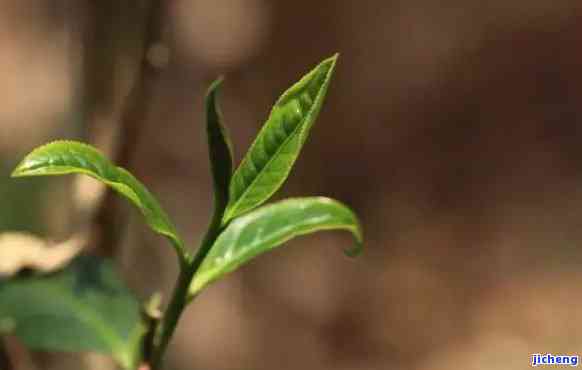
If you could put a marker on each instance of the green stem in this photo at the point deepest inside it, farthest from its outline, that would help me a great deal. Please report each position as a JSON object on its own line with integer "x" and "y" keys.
{"x": 219, "y": 151}
{"x": 170, "y": 320}
{"x": 180, "y": 296}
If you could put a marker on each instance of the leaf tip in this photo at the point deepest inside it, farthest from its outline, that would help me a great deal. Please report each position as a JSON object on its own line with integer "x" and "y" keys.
{"x": 20, "y": 170}
{"x": 23, "y": 168}
{"x": 15, "y": 173}
{"x": 332, "y": 60}
{"x": 210, "y": 99}
{"x": 356, "y": 250}
{"x": 215, "y": 86}
{"x": 29, "y": 165}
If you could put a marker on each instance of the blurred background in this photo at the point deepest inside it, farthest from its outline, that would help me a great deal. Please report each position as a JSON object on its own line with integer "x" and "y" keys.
{"x": 453, "y": 129}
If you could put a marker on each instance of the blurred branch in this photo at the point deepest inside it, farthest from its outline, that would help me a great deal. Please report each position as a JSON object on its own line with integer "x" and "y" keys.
{"x": 14, "y": 356}
{"x": 5, "y": 361}
{"x": 110, "y": 218}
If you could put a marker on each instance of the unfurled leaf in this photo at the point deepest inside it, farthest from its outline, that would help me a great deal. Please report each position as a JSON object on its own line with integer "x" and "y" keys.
{"x": 276, "y": 148}
{"x": 71, "y": 157}
{"x": 84, "y": 307}
{"x": 268, "y": 227}
{"x": 220, "y": 149}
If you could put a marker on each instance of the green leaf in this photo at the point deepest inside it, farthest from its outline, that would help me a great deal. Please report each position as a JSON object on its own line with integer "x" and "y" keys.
{"x": 270, "y": 158}
{"x": 268, "y": 227}
{"x": 71, "y": 157}
{"x": 220, "y": 149}
{"x": 84, "y": 307}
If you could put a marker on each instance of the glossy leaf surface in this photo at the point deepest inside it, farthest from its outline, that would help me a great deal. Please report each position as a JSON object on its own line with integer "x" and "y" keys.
{"x": 71, "y": 157}
{"x": 84, "y": 307}
{"x": 268, "y": 227}
{"x": 219, "y": 147}
{"x": 271, "y": 156}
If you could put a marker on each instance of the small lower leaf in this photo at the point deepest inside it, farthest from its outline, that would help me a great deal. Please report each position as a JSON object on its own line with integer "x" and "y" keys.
{"x": 270, "y": 226}
{"x": 84, "y": 307}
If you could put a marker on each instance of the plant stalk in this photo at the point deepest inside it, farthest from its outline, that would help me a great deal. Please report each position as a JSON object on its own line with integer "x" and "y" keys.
{"x": 180, "y": 295}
